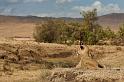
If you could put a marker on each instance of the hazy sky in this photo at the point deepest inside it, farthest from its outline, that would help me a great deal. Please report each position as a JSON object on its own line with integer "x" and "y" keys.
{"x": 59, "y": 8}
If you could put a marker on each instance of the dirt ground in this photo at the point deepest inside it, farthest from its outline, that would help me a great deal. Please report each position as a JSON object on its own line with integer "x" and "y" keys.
{"x": 29, "y": 61}
{"x": 16, "y": 29}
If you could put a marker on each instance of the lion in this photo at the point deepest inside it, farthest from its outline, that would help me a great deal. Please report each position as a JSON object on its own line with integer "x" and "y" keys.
{"x": 86, "y": 62}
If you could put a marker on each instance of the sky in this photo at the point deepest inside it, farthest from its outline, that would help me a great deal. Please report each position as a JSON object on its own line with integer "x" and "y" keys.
{"x": 59, "y": 8}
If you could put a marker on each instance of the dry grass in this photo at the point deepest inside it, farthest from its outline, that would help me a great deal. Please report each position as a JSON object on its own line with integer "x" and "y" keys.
{"x": 78, "y": 75}
{"x": 51, "y": 54}
{"x": 45, "y": 73}
{"x": 16, "y": 29}
{"x": 25, "y": 76}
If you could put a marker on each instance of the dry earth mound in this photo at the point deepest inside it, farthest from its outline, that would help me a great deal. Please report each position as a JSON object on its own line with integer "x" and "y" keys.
{"x": 76, "y": 75}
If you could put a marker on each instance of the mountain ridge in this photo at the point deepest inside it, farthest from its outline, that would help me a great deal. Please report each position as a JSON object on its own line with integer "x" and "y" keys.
{"x": 112, "y": 20}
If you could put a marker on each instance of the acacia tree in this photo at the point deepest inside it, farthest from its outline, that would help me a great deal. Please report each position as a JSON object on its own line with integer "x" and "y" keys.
{"x": 89, "y": 19}
{"x": 59, "y": 31}
{"x": 88, "y": 31}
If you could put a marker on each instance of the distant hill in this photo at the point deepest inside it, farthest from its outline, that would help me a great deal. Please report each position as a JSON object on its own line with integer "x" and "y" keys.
{"x": 22, "y": 26}
{"x": 113, "y": 20}
{"x": 21, "y": 19}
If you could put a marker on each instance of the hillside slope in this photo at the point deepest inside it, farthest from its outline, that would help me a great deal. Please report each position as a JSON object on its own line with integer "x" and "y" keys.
{"x": 113, "y": 20}
{"x": 22, "y": 26}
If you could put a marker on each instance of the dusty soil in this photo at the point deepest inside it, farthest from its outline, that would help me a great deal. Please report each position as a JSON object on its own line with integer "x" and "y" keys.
{"x": 16, "y": 29}
{"x": 77, "y": 75}
{"x": 25, "y": 61}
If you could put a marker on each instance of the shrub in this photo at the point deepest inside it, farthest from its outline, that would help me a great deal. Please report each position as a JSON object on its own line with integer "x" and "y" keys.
{"x": 60, "y": 31}
{"x": 56, "y": 31}
{"x": 46, "y": 32}
{"x": 121, "y": 33}
{"x": 119, "y": 39}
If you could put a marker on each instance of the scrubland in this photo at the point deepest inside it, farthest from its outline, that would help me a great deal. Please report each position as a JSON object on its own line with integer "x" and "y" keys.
{"x": 29, "y": 61}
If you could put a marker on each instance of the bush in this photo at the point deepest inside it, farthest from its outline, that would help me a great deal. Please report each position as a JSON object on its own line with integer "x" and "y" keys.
{"x": 109, "y": 34}
{"x": 121, "y": 33}
{"x": 56, "y": 31}
{"x": 68, "y": 33}
{"x": 59, "y": 31}
{"x": 119, "y": 39}
{"x": 47, "y": 32}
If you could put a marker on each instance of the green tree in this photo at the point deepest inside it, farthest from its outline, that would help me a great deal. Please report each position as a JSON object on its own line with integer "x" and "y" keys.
{"x": 60, "y": 31}
{"x": 70, "y": 32}
{"x": 90, "y": 27}
{"x": 89, "y": 19}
